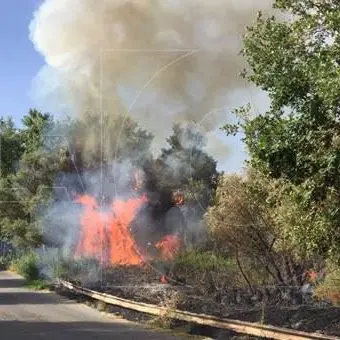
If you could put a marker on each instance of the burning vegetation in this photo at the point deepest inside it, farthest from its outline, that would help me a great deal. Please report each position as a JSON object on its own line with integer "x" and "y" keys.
{"x": 127, "y": 193}
{"x": 106, "y": 233}
{"x": 134, "y": 225}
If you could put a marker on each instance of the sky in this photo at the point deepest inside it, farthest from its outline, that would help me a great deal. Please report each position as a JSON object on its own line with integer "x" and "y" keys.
{"x": 19, "y": 62}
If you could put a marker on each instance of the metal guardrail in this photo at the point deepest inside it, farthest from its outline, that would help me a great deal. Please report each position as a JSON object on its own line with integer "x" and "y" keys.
{"x": 202, "y": 319}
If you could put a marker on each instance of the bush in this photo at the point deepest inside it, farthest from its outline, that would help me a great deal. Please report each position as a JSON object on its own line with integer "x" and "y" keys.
{"x": 81, "y": 271}
{"x": 203, "y": 260}
{"x": 27, "y": 266}
{"x": 207, "y": 270}
{"x": 5, "y": 261}
{"x": 329, "y": 289}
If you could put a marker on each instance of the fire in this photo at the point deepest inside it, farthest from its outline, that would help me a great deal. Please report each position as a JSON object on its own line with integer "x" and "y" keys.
{"x": 123, "y": 248}
{"x": 93, "y": 229}
{"x": 169, "y": 246}
{"x": 164, "y": 279}
{"x": 106, "y": 234}
{"x": 178, "y": 198}
{"x": 109, "y": 230}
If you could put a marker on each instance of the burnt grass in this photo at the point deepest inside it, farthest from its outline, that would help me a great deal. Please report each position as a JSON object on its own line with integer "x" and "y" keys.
{"x": 146, "y": 319}
{"x": 283, "y": 307}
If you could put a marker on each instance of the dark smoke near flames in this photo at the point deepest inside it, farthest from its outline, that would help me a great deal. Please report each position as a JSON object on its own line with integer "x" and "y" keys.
{"x": 130, "y": 225}
{"x": 159, "y": 62}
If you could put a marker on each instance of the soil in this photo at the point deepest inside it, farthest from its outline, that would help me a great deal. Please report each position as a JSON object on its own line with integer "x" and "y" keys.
{"x": 143, "y": 285}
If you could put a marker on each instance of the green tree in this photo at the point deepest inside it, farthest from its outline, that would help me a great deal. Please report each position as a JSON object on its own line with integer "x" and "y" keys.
{"x": 26, "y": 190}
{"x": 36, "y": 125}
{"x": 11, "y": 147}
{"x": 109, "y": 139}
{"x": 297, "y": 141}
{"x": 242, "y": 226}
{"x": 184, "y": 165}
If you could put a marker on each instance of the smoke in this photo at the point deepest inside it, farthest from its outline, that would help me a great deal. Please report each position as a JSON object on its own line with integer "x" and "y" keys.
{"x": 158, "y": 61}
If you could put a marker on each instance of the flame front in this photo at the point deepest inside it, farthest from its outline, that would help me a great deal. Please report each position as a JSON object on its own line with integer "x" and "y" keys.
{"x": 92, "y": 231}
{"x": 106, "y": 236}
{"x": 123, "y": 247}
{"x": 169, "y": 246}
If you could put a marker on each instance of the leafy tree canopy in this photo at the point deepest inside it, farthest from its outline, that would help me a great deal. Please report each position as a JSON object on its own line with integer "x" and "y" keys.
{"x": 298, "y": 140}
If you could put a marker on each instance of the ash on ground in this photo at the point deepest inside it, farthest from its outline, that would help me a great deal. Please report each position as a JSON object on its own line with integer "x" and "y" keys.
{"x": 290, "y": 307}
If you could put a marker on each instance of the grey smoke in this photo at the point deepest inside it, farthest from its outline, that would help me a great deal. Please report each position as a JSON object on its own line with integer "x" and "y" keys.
{"x": 158, "y": 61}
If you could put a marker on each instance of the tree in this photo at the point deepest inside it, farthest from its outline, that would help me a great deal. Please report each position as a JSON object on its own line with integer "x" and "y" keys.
{"x": 112, "y": 139}
{"x": 36, "y": 125}
{"x": 27, "y": 187}
{"x": 242, "y": 226}
{"x": 297, "y": 140}
{"x": 186, "y": 166}
{"x": 11, "y": 147}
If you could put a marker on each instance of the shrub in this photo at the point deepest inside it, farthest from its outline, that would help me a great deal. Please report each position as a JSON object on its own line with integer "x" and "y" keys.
{"x": 27, "y": 266}
{"x": 329, "y": 289}
{"x": 207, "y": 270}
{"x": 5, "y": 261}
{"x": 204, "y": 260}
{"x": 82, "y": 271}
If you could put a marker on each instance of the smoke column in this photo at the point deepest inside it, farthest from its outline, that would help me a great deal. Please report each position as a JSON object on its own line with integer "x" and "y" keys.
{"x": 157, "y": 61}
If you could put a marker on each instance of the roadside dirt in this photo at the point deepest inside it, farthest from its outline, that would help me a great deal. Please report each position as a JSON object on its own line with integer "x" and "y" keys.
{"x": 143, "y": 285}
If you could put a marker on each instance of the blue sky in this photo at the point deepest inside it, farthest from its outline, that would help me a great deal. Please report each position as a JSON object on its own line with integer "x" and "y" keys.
{"x": 19, "y": 62}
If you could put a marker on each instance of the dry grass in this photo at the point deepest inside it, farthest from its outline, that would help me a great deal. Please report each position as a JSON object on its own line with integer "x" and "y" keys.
{"x": 329, "y": 289}
{"x": 170, "y": 302}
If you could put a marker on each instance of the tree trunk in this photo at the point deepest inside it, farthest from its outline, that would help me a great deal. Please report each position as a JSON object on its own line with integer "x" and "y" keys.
{"x": 243, "y": 273}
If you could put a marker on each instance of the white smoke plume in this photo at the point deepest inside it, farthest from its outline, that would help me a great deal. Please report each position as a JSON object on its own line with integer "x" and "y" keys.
{"x": 158, "y": 61}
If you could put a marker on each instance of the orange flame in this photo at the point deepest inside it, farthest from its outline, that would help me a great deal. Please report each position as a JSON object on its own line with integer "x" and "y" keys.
{"x": 93, "y": 229}
{"x": 109, "y": 230}
{"x": 169, "y": 246}
{"x": 123, "y": 248}
{"x": 178, "y": 198}
{"x": 107, "y": 235}
{"x": 164, "y": 279}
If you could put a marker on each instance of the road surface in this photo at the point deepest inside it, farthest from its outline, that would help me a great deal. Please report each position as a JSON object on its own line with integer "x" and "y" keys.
{"x": 29, "y": 315}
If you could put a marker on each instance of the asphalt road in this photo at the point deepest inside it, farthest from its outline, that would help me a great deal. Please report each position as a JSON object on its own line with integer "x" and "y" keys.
{"x": 29, "y": 315}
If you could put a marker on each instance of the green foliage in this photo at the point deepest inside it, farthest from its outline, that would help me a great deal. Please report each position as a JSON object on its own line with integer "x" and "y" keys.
{"x": 296, "y": 143}
{"x": 74, "y": 270}
{"x": 11, "y": 147}
{"x": 116, "y": 138}
{"x": 5, "y": 261}
{"x": 209, "y": 271}
{"x": 24, "y": 194}
{"x": 185, "y": 160}
{"x": 21, "y": 234}
{"x": 185, "y": 166}
{"x": 25, "y": 188}
{"x": 37, "y": 285}
{"x": 36, "y": 126}
{"x": 27, "y": 266}
{"x": 9, "y": 205}
{"x": 36, "y": 175}
{"x": 329, "y": 289}
{"x": 199, "y": 260}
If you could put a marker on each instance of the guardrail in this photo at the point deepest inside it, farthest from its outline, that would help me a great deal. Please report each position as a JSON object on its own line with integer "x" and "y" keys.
{"x": 201, "y": 319}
